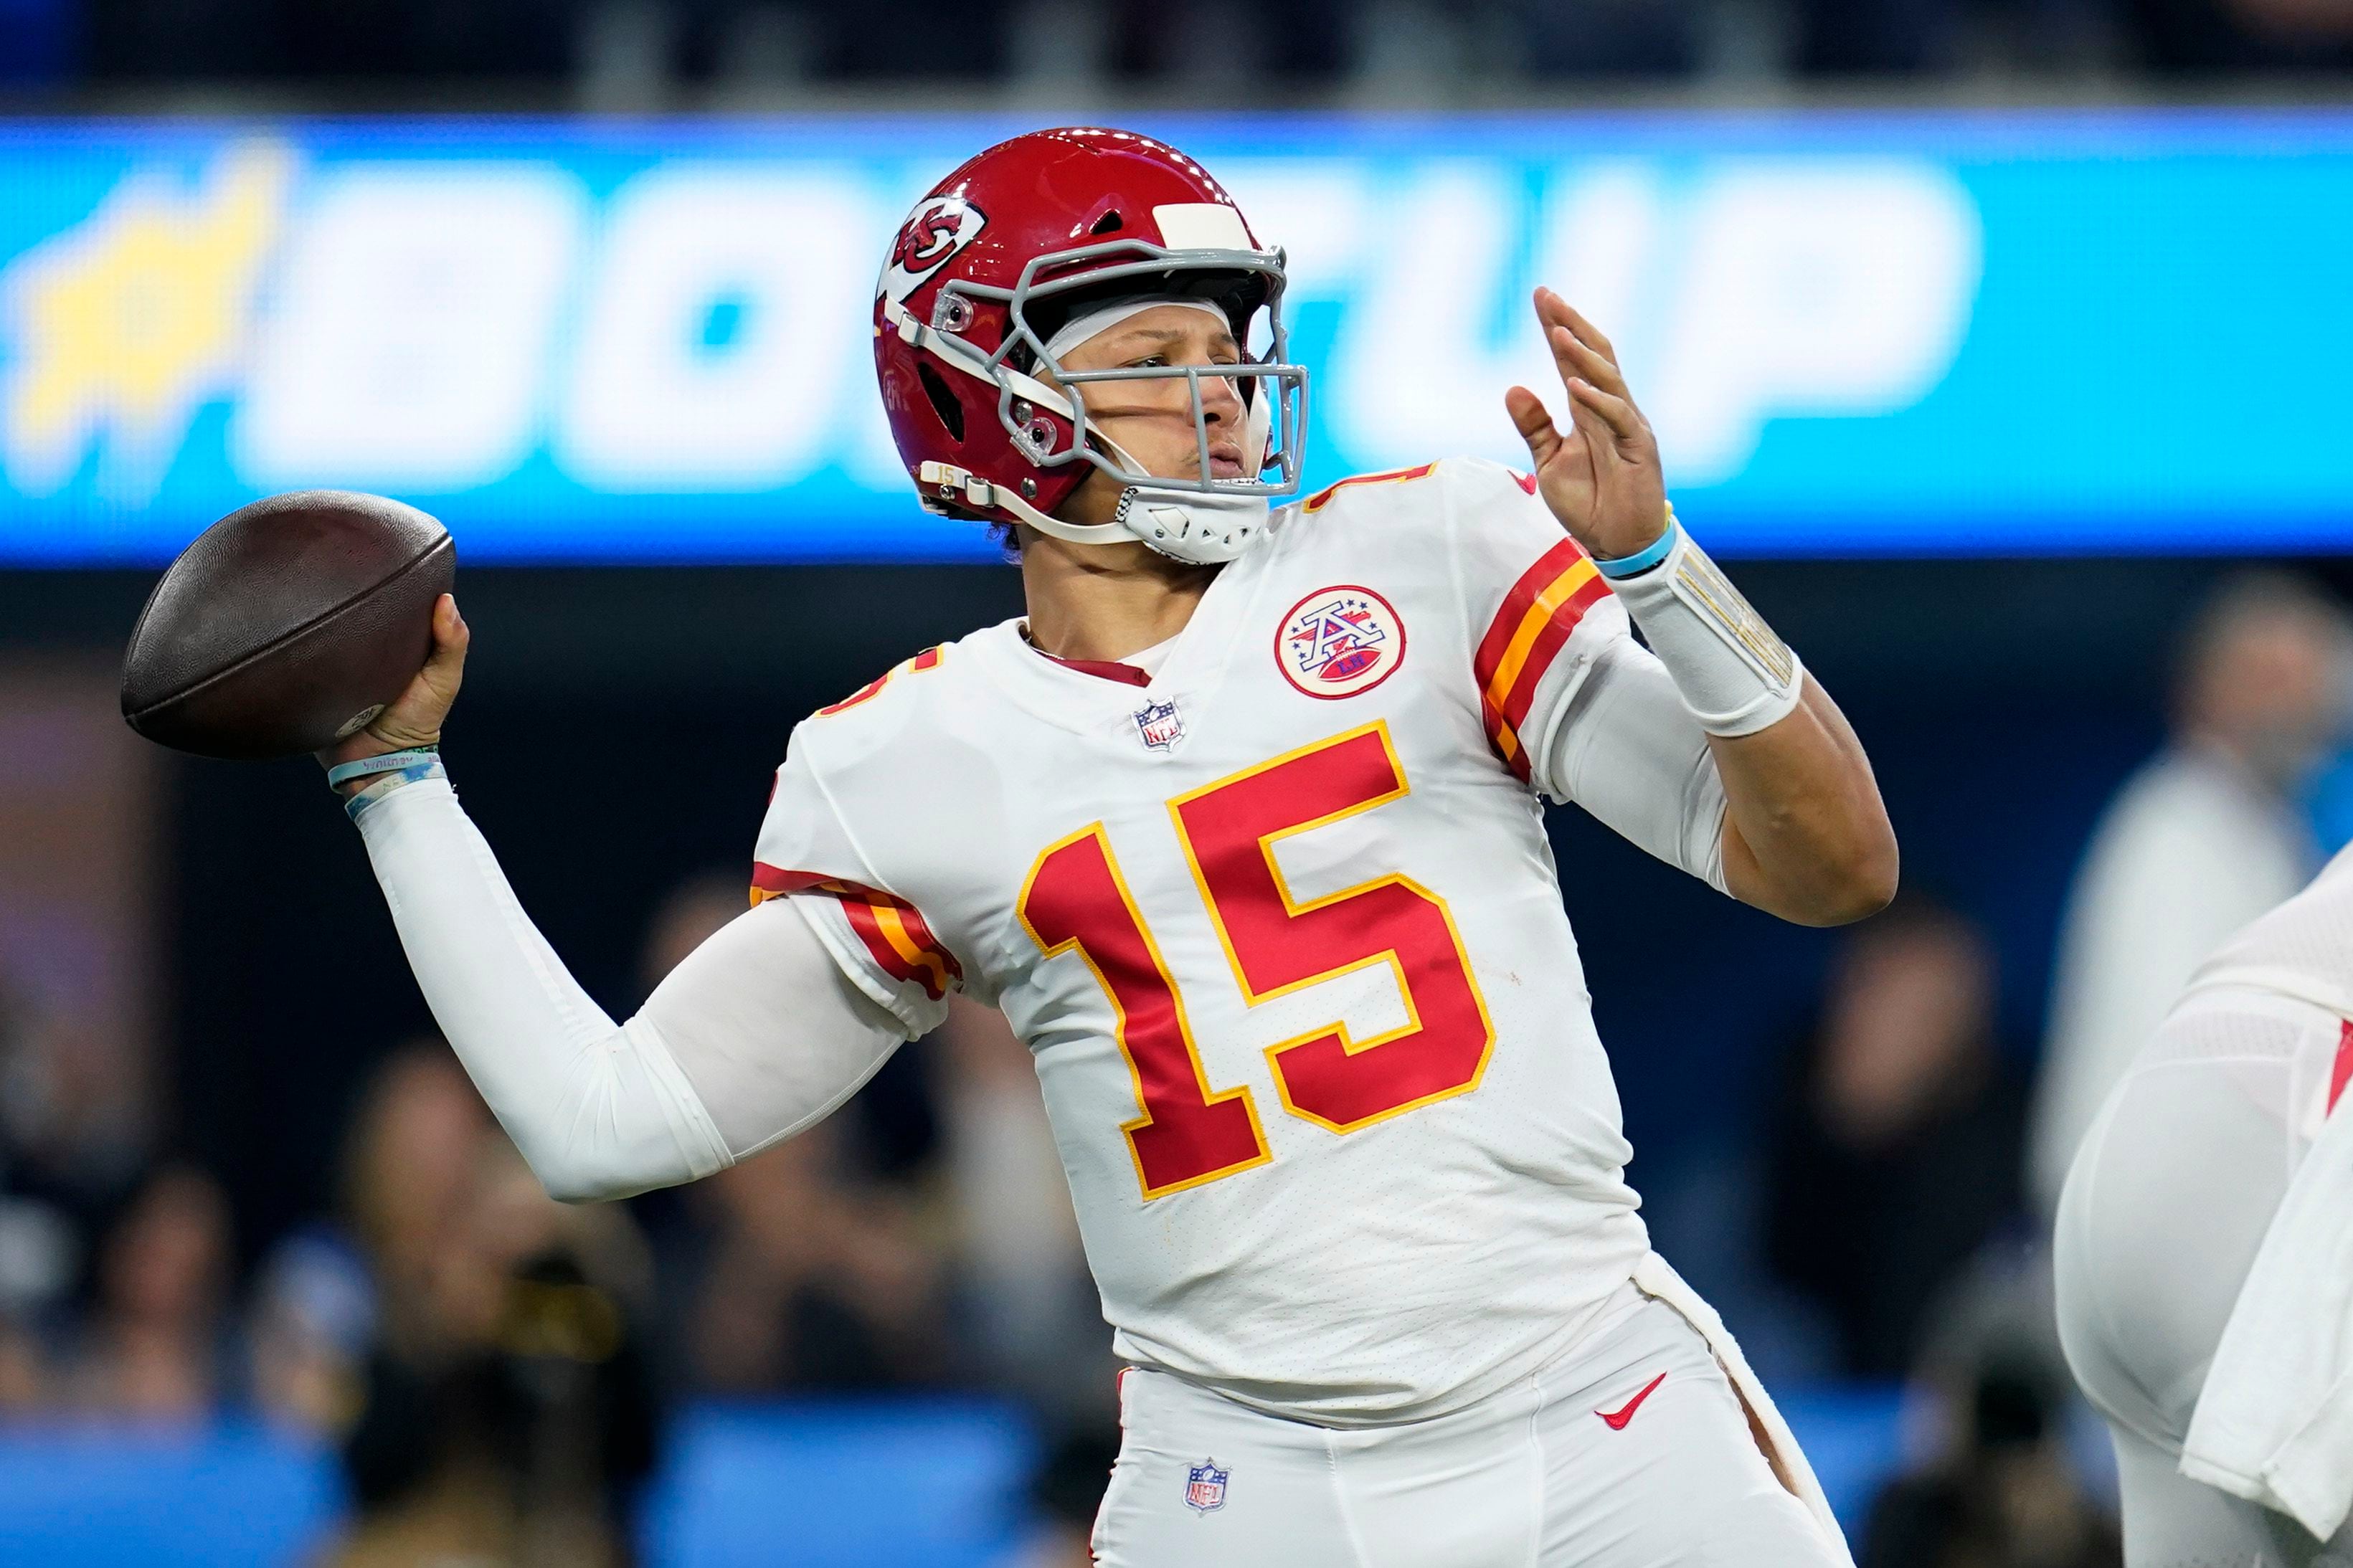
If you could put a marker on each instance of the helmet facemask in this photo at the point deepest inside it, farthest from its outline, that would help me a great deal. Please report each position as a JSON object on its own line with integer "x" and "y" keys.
{"x": 1199, "y": 516}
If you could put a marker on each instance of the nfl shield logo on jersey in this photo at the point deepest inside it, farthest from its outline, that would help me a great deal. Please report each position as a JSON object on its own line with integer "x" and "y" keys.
{"x": 1204, "y": 1485}
{"x": 1337, "y": 642}
{"x": 1160, "y": 725}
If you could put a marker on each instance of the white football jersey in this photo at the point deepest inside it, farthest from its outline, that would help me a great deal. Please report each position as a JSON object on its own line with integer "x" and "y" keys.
{"x": 1281, "y": 928}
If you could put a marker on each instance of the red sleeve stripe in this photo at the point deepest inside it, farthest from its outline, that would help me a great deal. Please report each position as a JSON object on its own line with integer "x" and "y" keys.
{"x": 896, "y": 936}
{"x": 1535, "y": 623}
{"x": 856, "y": 697}
{"x": 902, "y": 945}
{"x": 774, "y": 881}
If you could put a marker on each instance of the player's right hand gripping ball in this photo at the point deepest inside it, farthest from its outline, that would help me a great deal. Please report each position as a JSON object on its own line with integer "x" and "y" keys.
{"x": 288, "y": 624}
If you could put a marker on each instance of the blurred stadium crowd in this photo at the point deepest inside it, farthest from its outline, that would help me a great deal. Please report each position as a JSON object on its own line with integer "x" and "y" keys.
{"x": 493, "y": 1366}
{"x": 642, "y": 53}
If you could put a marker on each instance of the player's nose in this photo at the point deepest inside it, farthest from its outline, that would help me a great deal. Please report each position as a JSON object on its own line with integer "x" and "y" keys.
{"x": 1221, "y": 399}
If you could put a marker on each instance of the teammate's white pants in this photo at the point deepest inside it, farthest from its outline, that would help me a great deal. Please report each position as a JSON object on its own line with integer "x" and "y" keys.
{"x": 2164, "y": 1209}
{"x": 1534, "y": 1476}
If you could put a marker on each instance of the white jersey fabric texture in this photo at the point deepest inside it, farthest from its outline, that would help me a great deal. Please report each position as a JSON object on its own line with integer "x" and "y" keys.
{"x": 2192, "y": 849}
{"x": 1630, "y": 1450}
{"x": 1281, "y": 928}
{"x": 2196, "y": 1217}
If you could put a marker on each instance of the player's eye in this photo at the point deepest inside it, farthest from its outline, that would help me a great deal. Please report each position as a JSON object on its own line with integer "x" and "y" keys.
{"x": 1148, "y": 361}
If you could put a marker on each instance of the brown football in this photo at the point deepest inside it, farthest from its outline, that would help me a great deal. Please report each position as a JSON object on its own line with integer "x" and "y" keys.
{"x": 287, "y": 624}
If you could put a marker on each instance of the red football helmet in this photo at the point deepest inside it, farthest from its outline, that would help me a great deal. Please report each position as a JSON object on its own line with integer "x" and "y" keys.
{"x": 1026, "y": 238}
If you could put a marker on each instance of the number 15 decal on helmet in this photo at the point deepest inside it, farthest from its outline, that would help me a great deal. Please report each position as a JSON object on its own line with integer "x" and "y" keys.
{"x": 1023, "y": 240}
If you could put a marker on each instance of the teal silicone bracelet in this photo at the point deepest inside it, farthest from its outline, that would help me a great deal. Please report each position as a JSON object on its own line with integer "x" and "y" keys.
{"x": 389, "y": 763}
{"x": 1642, "y": 560}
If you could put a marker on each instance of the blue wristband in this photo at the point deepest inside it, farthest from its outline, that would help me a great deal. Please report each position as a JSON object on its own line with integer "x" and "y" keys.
{"x": 388, "y": 762}
{"x": 1642, "y": 560}
{"x": 360, "y": 802}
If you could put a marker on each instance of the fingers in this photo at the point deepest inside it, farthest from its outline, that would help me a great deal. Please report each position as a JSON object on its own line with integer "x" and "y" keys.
{"x": 445, "y": 667}
{"x": 1555, "y": 311}
{"x": 450, "y": 632}
{"x": 1579, "y": 349}
{"x": 1615, "y": 413}
{"x": 1534, "y": 422}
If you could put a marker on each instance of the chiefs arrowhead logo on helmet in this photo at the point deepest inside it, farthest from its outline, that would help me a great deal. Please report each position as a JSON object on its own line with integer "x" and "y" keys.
{"x": 937, "y": 228}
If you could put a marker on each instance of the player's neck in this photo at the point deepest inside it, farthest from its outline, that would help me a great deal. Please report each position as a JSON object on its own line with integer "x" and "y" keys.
{"x": 1105, "y": 602}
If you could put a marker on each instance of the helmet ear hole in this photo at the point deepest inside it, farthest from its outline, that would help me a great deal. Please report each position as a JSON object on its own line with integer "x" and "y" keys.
{"x": 943, "y": 401}
{"x": 1108, "y": 224}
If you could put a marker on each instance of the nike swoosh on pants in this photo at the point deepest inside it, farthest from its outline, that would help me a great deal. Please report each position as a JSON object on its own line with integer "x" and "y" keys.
{"x": 1615, "y": 1419}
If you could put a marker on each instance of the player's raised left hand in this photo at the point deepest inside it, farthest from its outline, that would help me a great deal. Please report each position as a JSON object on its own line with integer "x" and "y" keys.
{"x": 1600, "y": 476}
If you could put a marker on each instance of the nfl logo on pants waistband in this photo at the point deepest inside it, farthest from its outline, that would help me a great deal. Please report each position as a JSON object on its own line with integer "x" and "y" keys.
{"x": 1160, "y": 725}
{"x": 1204, "y": 1485}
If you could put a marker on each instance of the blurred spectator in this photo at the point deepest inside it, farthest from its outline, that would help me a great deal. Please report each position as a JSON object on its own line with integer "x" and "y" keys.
{"x": 1034, "y": 1314}
{"x": 2004, "y": 1486}
{"x": 1065, "y": 1496}
{"x": 2002, "y": 1496}
{"x": 71, "y": 1149}
{"x": 2204, "y": 838}
{"x": 508, "y": 1416}
{"x": 814, "y": 1278}
{"x": 408, "y": 1167}
{"x": 1895, "y": 1147}
{"x": 808, "y": 1265}
{"x": 153, "y": 1347}
{"x": 24, "y": 1371}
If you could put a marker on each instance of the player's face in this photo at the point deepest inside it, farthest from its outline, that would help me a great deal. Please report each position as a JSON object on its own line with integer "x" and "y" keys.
{"x": 1152, "y": 419}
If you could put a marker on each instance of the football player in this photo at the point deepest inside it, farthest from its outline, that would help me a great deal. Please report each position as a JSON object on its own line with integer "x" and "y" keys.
{"x": 1242, "y": 827}
{"x": 2204, "y": 1260}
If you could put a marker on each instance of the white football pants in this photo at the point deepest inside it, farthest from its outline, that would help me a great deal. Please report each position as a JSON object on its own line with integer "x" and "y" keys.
{"x": 1632, "y": 1451}
{"x": 2165, "y": 1207}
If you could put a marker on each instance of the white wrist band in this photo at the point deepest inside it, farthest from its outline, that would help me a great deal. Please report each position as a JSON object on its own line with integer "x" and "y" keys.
{"x": 1732, "y": 672}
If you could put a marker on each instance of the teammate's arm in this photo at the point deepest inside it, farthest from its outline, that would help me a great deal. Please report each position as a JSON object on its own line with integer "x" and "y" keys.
{"x": 1806, "y": 835}
{"x": 757, "y": 1035}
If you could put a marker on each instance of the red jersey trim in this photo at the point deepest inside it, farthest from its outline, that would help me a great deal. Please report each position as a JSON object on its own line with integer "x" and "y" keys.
{"x": 1527, "y": 633}
{"x": 1109, "y": 669}
{"x": 927, "y": 659}
{"x": 893, "y": 932}
{"x": 1321, "y": 497}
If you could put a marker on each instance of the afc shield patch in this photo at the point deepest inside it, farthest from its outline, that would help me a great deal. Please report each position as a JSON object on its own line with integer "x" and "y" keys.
{"x": 1205, "y": 1486}
{"x": 1339, "y": 641}
{"x": 1159, "y": 725}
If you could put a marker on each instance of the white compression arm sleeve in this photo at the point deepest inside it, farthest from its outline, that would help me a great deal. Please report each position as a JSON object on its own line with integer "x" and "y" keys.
{"x": 757, "y": 1035}
{"x": 1628, "y": 751}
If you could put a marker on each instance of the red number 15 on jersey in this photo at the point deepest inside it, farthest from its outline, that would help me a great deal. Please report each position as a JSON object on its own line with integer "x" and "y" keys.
{"x": 1076, "y": 900}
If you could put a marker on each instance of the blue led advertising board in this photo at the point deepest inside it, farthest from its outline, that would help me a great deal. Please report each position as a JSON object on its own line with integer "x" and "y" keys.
{"x": 1856, "y": 333}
